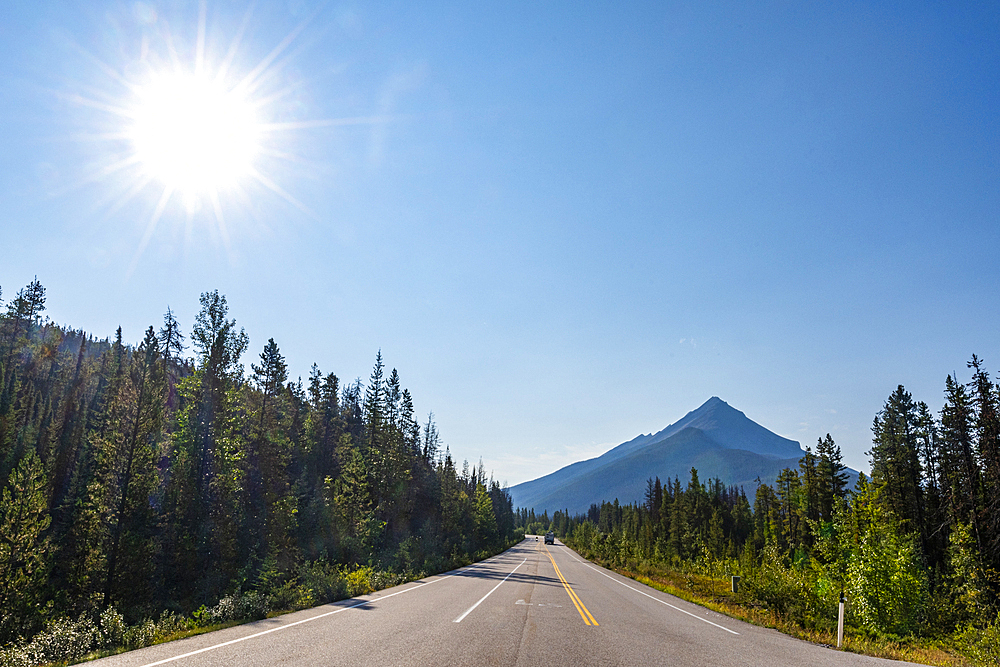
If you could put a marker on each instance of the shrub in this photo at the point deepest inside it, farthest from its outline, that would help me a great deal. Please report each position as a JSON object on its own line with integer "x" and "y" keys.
{"x": 291, "y": 595}
{"x": 887, "y": 589}
{"x": 63, "y": 640}
{"x": 239, "y": 607}
{"x": 171, "y": 623}
{"x": 324, "y": 580}
{"x": 386, "y": 579}
{"x": 981, "y": 645}
{"x": 139, "y": 635}
{"x": 769, "y": 583}
{"x": 113, "y": 628}
{"x": 15, "y": 656}
{"x": 359, "y": 581}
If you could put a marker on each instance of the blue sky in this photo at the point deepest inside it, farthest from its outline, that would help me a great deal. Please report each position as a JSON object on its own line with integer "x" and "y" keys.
{"x": 564, "y": 225}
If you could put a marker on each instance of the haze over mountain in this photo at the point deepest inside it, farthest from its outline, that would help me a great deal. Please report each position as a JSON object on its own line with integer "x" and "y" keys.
{"x": 717, "y": 439}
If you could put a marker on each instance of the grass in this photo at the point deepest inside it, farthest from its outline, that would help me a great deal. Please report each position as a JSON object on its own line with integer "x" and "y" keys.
{"x": 715, "y": 594}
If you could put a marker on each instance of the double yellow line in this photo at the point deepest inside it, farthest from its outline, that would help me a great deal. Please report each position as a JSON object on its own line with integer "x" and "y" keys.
{"x": 577, "y": 602}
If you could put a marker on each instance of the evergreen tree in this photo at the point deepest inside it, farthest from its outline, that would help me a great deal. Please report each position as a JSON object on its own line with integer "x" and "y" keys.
{"x": 832, "y": 478}
{"x": 896, "y": 462}
{"x": 987, "y": 431}
{"x": 126, "y": 475}
{"x": 959, "y": 476}
{"x": 24, "y": 518}
{"x": 810, "y": 495}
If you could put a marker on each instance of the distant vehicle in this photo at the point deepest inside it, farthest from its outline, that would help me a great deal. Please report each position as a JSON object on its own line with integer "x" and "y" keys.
{"x": 550, "y": 537}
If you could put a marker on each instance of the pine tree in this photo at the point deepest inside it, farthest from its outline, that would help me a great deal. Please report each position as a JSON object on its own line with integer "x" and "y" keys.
{"x": 896, "y": 462}
{"x": 987, "y": 431}
{"x": 832, "y": 478}
{"x": 126, "y": 475}
{"x": 171, "y": 339}
{"x": 810, "y": 496}
{"x": 266, "y": 483}
{"x": 24, "y": 518}
{"x": 789, "y": 527}
{"x": 206, "y": 473}
{"x": 960, "y": 477}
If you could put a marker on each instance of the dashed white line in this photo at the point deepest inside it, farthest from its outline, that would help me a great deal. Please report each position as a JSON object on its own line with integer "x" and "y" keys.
{"x": 305, "y": 620}
{"x": 469, "y": 610}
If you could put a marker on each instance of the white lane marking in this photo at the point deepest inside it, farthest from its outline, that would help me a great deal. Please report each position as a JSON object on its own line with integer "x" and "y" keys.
{"x": 305, "y": 620}
{"x": 469, "y": 610}
{"x": 704, "y": 620}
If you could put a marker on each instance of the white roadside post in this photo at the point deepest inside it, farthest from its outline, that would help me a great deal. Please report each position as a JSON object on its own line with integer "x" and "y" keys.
{"x": 840, "y": 622}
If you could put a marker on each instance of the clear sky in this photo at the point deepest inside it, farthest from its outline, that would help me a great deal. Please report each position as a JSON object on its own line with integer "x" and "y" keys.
{"x": 564, "y": 223}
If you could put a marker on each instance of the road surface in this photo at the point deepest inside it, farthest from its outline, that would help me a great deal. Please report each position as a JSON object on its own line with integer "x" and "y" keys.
{"x": 531, "y": 605}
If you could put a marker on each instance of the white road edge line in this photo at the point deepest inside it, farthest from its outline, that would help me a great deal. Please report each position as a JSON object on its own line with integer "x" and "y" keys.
{"x": 469, "y": 610}
{"x": 683, "y": 611}
{"x": 306, "y": 620}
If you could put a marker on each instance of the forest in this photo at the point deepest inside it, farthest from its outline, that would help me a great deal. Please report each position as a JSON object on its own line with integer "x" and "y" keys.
{"x": 150, "y": 489}
{"x": 914, "y": 549}
{"x": 146, "y": 491}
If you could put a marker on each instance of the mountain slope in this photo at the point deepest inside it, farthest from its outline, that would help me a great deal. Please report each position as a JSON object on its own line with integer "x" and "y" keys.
{"x": 717, "y": 439}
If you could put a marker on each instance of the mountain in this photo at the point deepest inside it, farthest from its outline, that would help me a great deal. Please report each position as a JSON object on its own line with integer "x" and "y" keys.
{"x": 717, "y": 439}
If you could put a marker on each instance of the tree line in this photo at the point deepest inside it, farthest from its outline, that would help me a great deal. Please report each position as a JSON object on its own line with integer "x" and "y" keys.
{"x": 915, "y": 548}
{"x": 138, "y": 478}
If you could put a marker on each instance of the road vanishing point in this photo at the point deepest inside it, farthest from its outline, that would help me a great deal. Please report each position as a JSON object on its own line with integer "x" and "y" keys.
{"x": 531, "y": 605}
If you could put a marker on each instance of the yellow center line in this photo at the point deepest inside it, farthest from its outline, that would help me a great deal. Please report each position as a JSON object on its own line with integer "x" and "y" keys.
{"x": 577, "y": 602}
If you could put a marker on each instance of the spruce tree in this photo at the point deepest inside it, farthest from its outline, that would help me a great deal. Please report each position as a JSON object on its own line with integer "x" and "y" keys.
{"x": 24, "y": 518}
{"x": 832, "y": 478}
{"x": 896, "y": 462}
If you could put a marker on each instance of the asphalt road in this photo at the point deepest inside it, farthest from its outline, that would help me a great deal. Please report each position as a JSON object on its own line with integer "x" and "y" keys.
{"x": 531, "y": 605}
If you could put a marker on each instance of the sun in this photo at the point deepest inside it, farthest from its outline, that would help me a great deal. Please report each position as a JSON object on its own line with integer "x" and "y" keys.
{"x": 183, "y": 116}
{"x": 194, "y": 134}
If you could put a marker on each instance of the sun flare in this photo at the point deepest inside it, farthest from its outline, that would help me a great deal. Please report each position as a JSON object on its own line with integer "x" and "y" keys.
{"x": 190, "y": 129}
{"x": 193, "y": 134}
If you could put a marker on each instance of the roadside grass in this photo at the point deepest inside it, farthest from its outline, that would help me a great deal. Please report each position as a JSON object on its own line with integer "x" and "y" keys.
{"x": 179, "y": 634}
{"x": 716, "y": 594}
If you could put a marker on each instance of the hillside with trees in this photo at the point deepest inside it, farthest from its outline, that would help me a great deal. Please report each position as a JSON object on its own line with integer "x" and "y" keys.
{"x": 915, "y": 549}
{"x": 140, "y": 483}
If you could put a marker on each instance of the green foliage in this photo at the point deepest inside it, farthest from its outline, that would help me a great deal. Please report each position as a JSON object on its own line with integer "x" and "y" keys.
{"x": 112, "y": 627}
{"x": 249, "y": 605}
{"x": 981, "y": 644}
{"x": 324, "y": 581}
{"x": 24, "y": 517}
{"x": 887, "y": 586}
{"x": 138, "y": 484}
{"x": 969, "y": 584}
{"x": 359, "y": 581}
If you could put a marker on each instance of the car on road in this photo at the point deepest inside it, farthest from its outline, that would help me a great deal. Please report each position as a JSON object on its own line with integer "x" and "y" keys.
{"x": 550, "y": 537}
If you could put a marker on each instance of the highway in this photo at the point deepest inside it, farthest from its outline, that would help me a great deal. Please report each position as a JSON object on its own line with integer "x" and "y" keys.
{"x": 531, "y": 605}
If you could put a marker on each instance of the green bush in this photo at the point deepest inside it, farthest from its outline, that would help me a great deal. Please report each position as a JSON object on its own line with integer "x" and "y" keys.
{"x": 324, "y": 580}
{"x": 981, "y": 645}
{"x": 886, "y": 587}
{"x": 139, "y": 635}
{"x": 771, "y": 584}
{"x": 113, "y": 628}
{"x": 61, "y": 641}
{"x": 171, "y": 623}
{"x": 383, "y": 579}
{"x": 359, "y": 581}
{"x": 292, "y": 595}
{"x": 251, "y": 605}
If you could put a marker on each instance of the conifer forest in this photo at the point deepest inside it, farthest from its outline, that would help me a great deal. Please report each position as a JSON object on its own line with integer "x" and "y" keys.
{"x": 160, "y": 480}
{"x": 151, "y": 488}
{"x": 914, "y": 549}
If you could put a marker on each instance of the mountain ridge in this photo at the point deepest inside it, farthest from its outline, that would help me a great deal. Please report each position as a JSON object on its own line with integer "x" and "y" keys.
{"x": 715, "y": 438}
